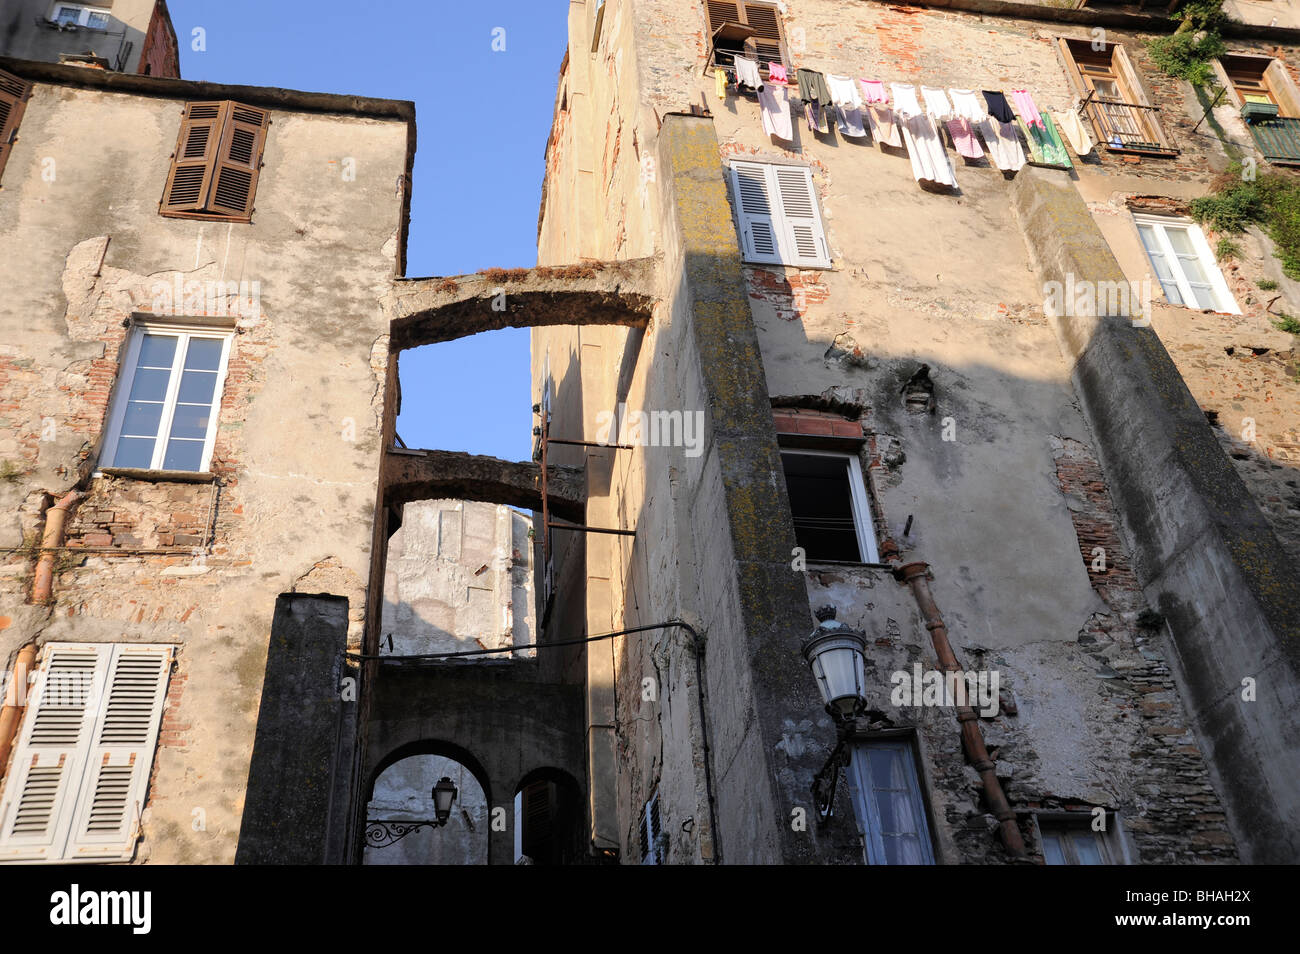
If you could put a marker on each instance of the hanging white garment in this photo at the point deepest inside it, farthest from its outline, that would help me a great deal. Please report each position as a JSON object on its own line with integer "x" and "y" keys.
{"x": 1071, "y": 124}
{"x": 905, "y": 101}
{"x": 966, "y": 105}
{"x": 929, "y": 159}
{"x": 936, "y": 103}
{"x": 776, "y": 112}
{"x": 844, "y": 92}
{"x": 1002, "y": 143}
{"x": 747, "y": 72}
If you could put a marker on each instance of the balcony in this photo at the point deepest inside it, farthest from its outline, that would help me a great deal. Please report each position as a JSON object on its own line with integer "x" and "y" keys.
{"x": 1127, "y": 127}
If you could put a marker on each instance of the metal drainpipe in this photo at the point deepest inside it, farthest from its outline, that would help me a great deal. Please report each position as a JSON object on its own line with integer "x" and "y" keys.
{"x": 12, "y": 713}
{"x": 56, "y": 518}
{"x": 916, "y": 574}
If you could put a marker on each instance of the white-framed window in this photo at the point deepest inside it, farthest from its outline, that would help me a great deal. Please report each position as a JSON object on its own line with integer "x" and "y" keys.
{"x": 1073, "y": 839}
{"x": 828, "y": 499}
{"x": 80, "y": 771}
{"x": 1184, "y": 263}
{"x": 888, "y": 803}
{"x": 780, "y": 220}
{"x": 650, "y": 833}
{"x": 168, "y": 398}
{"x": 76, "y": 14}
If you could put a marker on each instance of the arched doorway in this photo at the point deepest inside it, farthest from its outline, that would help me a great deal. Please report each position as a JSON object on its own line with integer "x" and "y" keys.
{"x": 400, "y": 810}
{"x": 549, "y": 819}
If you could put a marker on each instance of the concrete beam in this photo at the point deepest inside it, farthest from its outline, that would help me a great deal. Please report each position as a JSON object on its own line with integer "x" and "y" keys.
{"x": 432, "y": 474}
{"x": 429, "y": 310}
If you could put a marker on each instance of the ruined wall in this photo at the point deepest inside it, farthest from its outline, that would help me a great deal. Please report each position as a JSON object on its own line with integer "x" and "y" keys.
{"x": 290, "y": 500}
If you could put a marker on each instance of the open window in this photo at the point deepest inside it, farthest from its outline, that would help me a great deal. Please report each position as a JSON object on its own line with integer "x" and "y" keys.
{"x": 748, "y": 29}
{"x": 828, "y": 499}
{"x": 168, "y": 397}
{"x": 216, "y": 163}
{"x": 1112, "y": 96}
{"x": 80, "y": 771}
{"x": 14, "y": 92}
{"x": 1184, "y": 264}
{"x": 1262, "y": 89}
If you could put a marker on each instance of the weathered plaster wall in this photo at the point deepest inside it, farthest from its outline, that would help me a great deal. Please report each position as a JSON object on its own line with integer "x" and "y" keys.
{"x": 298, "y": 445}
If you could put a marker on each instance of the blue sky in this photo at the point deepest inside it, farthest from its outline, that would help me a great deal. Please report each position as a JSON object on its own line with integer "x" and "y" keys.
{"x": 474, "y": 205}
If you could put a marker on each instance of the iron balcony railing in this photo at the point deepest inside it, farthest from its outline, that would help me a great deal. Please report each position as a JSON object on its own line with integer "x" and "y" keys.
{"x": 1121, "y": 125}
{"x": 1278, "y": 138}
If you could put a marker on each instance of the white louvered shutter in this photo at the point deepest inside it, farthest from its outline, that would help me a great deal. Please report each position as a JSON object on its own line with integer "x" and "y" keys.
{"x": 121, "y": 754}
{"x": 802, "y": 236}
{"x": 41, "y": 789}
{"x": 758, "y": 230}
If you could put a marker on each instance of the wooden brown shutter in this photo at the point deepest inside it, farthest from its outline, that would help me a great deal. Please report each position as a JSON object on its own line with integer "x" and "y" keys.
{"x": 721, "y": 12}
{"x": 190, "y": 178}
{"x": 13, "y": 98}
{"x": 768, "y": 43}
{"x": 238, "y": 158}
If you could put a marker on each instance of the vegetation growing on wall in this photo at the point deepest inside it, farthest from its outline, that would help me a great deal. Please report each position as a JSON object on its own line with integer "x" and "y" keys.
{"x": 1271, "y": 201}
{"x": 1188, "y": 52}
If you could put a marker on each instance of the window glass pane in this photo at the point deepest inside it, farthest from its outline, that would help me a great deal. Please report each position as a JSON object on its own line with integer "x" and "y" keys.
{"x": 1052, "y": 852}
{"x": 183, "y": 455}
{"x": 904, "y": 850}
{"x": 822, "y": 506}
{"x": 204, "y": 354}
{"x": 134, "y": 452}
{"x": 157, "y": 351}
{"x": 1085, "y": 847}
{"x": 99, "y": 20}
{"x": 1205, "y": 297}
{"x": 150, "y": 384}
{"x": 67, "y": 15}
{"x": 1160, "y": 262}
{"x": 190, "y": 421}
{"x": 197, "y": 387}
{"x": 141, "y": 419}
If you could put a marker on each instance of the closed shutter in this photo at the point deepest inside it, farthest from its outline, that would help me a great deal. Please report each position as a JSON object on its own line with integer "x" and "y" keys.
{"x": 758, "y": 233}
{"x": 13, "y": 98}
{"x": 121, "y": 755}
{"x": 802, "y": 233}
{"x": 41, "y": 790}
{"x": 238, "y": 160}
{"x": 721, "y": 12}
{"x": 191, "y": 172}
{"x": 767, "y": 41}
{"x": 1136, "y": 93}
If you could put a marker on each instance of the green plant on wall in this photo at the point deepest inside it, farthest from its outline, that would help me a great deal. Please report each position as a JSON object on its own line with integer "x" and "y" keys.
{"x": 1271, "y": 201}
{"x": 1188, "y": 52}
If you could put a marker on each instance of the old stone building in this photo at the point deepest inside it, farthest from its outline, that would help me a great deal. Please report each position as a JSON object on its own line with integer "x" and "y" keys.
{"x": 128, "y": 36}
{"x": 879, "y": 376}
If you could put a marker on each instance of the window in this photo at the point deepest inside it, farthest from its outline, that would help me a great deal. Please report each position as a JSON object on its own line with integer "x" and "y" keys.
{"x": 165, "y": 409}
{"x": 1072, "y": 841}
{"x": 215, "y": 166}
{"x": 74, "y": 14}
{"x": 828, "y": 498}
{"x": 80, "y": 770}
{"x": 750, "y": 29}
{"x": 887, "y": 802}
{"x": 1184, "y": 264}
{"x": 780, "y": 220}
{"x": 1117, "y": 105}
{"x": 1269, "y": 102}
{"x": 13, "y": 100}
{"x": 650, "y": 832}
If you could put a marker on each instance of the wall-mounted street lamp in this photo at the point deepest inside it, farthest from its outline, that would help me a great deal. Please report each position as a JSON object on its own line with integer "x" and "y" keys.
{"x": 383, "y": 832}
{"x": 836, "y": 655}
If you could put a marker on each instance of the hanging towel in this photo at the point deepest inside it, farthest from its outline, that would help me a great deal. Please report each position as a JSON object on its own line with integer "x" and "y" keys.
{"x": 905, "y": 102}
{"x": 1026, "y": 108}
{"x": 998, "y": 106}
{"x": 1003, "y": 143}
{"x": 776, "y": 73}
{"x": 873, "y": 91}
{"x": 775, "y": 103}
{"x": 720, "y": 79}
{"x": 1071, "y": 124}
{"x": 963, "y": 137}
{"x": 966, "y": 106}
{"x": 936, "y": 103}
{"x": 747, "y": 72}
{"x": 883, "y": 128}
{"x": 1054, "y": 148}
{"x": 929, "y": 158}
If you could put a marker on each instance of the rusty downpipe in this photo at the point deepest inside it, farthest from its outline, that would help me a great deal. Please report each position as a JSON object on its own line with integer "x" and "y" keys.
{"x": 56, "y": 520}
{"x": 916, "y": 575}
{"x": 11, "y": 714}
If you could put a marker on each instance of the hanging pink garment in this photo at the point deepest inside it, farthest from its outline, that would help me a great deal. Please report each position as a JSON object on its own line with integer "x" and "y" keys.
{"x": 963, "y": 137}
{"x": 776, "y": 73}
{"x": 1026, "y": 108}
{"x": 775, "y": 105}
{"x": 873, "y": 91}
